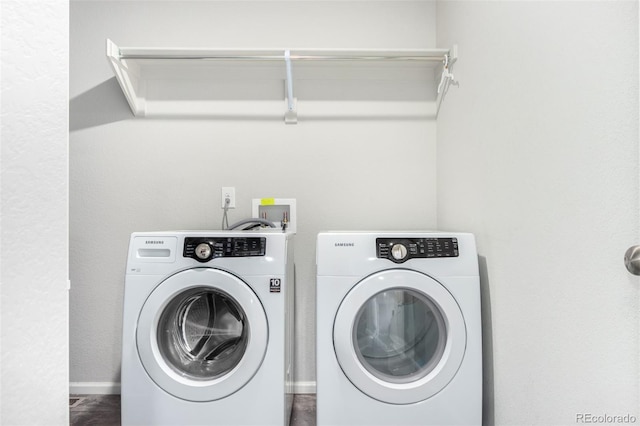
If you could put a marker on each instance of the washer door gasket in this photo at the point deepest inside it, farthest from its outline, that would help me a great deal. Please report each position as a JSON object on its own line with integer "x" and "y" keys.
{"x": 203, "y": 333}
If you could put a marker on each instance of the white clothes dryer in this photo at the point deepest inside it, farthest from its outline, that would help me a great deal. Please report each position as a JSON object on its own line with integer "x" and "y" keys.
{"x": 399, "y": 338}
{"x": 207, "y": 329}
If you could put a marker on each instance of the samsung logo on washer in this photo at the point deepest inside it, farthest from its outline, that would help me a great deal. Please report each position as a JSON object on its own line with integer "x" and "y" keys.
{"x": 345, "y": 244}
{"x": 153, "y": 242}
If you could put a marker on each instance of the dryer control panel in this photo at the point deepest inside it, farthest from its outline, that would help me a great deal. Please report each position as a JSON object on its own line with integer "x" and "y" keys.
{"x": 400, "y": 250}
{"x": 204, "y": 249}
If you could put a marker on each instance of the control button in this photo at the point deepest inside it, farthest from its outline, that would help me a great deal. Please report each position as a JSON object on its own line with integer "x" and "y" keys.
{"x": 398, "y": 251}
{"x": 203, "y": 251}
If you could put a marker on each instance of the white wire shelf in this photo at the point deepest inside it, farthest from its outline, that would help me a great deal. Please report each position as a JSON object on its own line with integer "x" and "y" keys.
{"x": 182, "y": 81}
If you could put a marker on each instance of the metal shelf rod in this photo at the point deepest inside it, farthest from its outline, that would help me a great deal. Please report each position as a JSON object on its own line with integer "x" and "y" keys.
{"x": 292, "y": 57}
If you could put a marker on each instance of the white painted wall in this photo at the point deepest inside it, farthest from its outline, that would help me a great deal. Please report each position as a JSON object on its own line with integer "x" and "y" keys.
{"x": 34, "y": 233}
{"x": 538, "y": 156}
{"x": 537, "y": 152}
{"x": 130, "y": 174}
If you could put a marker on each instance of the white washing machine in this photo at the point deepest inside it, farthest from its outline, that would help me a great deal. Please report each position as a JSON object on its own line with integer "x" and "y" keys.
{"x": 398, "y": 329}
{"x": 207, "y": 329}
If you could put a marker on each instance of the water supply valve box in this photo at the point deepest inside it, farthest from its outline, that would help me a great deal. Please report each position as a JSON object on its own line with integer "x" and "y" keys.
{"x": 280, "y": 211}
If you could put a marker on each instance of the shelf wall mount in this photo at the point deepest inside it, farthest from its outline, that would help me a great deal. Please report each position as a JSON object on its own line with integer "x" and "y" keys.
{"x": 446, "y": 78}
{"x": 128, "y": 79}
{"x": 138, "y": 69}
{"x": 291, "y": 115}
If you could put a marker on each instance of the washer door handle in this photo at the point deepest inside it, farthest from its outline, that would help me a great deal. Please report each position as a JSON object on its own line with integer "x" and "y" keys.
{"x": 632, "y": 260}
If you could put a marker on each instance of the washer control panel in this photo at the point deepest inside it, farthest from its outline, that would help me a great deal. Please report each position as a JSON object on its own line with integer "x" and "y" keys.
{"x": 204, "y": 249}
{"x": 400, "y": 250}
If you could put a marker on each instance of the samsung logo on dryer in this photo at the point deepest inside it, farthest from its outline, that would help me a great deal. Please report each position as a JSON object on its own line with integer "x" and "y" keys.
{"x": 153, "y": 242}
{"x": 344, "y": 244}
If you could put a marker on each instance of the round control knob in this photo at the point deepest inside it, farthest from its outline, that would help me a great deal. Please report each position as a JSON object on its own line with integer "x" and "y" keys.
{"x": 203, "y": 251}
{"x": 398, "y": 251}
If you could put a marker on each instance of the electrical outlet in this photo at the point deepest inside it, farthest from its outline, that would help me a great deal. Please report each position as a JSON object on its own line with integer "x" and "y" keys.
{"x": 228, "y": 192}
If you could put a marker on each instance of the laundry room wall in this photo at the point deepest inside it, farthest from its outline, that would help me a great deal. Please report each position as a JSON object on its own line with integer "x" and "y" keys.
{"x": 538, "y": 156}
{"x": 136, "y": 174}
{"x": 34, "y": 340}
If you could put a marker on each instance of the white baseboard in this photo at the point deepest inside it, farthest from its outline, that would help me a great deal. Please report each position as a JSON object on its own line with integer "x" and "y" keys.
{"x": 112, "y": 388}
{"x": 94, "y": 388}
{"x": 304, "y": 387}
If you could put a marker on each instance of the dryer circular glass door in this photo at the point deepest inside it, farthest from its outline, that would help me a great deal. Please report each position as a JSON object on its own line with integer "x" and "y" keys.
{"x": 399, "y": 336}
{"x": 202, "y": 334}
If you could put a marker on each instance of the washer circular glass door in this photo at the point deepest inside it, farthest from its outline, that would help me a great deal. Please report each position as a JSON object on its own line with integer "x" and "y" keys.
{"x": 202, "y": 334}
{"x": 399, "y": 336}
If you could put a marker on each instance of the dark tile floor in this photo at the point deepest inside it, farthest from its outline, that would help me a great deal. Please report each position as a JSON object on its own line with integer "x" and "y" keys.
{"x": 104, "y": 410}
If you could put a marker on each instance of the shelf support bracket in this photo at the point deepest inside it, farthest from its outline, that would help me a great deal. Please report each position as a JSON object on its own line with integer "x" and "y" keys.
{"x": 291, "y": 114}
{"x": 124, "y": 76}
{"x": 447, "y": 77}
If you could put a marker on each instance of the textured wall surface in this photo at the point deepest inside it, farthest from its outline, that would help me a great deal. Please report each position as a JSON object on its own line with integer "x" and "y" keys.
{"x": 130, "y": 174}
{"x": 538, "y": 156}
{"x": 34, "y": 233}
